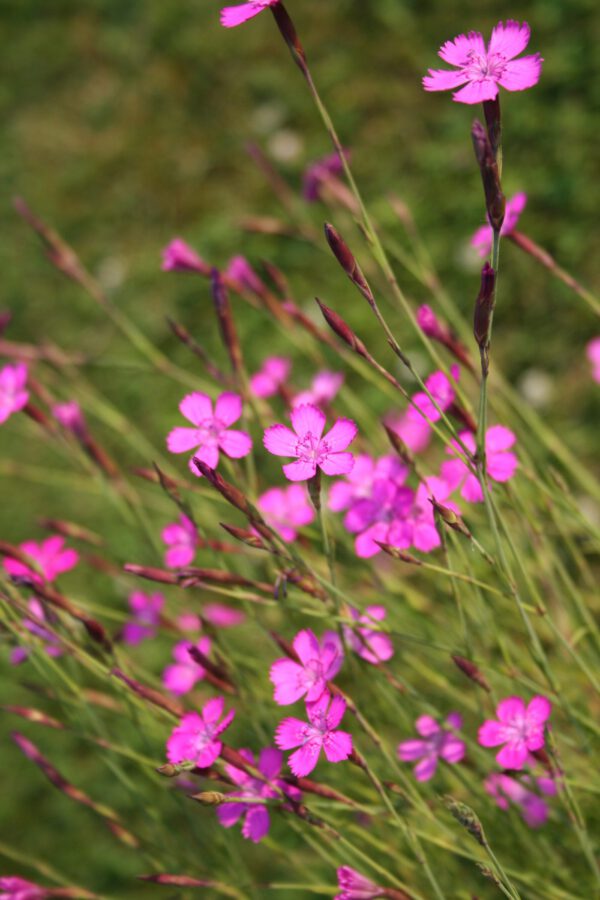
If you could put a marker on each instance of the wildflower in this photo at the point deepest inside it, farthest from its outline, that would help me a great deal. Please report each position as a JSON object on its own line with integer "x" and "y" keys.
{"x": 505, "y": 790}
{"x": 52, "y": 644}
{"x": 309, "y": 446}
{"x": 319, "y": 663}
{"x": 271, "y": 376}
{"x": 483, "y": 237}
{"x": 324, "y": 387}
{"x": 354, "y": 886}
{"x": 286, "y": 510}
{"x": 319, "y": 172}
{"x": 482, "y": 70}
{"x": 318, "y": 733}
{"x": 430, "y": 325}
{"x": 370, "y": 644}
{"x": 211, "y": 432}
{"x": 240, "y": 270}
{"x": 195, "y": 739}
{"x": 519, "y": 728}
{"x": 221, "y": 615}
{"x": 13, "y": 396}
{"x": 180, "y": 257}
{"x": 181, "y": 676}
{"x": 256, "y": 818}
{"x": 593, "y": 354}
{"x": 235, "y": 15}
{"x": 358, "y": 484}
{"x": 381, "y": 517}
{"x": 146, "y": 609}
{"x": 14, "y": 888}
{"x": 181, "y": 539}
{"x": 501, "y": 463}
{"x": 414, "y": 427}
{"x": 51, "y": 556}
{"x": 70, "y": 416}
{"x": 421, "y": 531}
{"x": 437, "y": 743}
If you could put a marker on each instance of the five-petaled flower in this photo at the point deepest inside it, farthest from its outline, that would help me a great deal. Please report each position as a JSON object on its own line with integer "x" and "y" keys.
{"x": 146, "y": 609}
{"x": 484, "y": 236}
{"x": 211, "y": 432}
{"x": 482, "y": 70}
{"x": 51, "y": 556}
{"x": 354, "y": 886}
{"x": 286, "y": 509}
{"x": 319, "y": 733}
{"x": 436, "y": 743}
{"x": 235, "y": 15}
{"x": 13, "y": 396}
{"x": 520, "y": 728}
{"x": 501, "y": 464}
{"x": 181, "y": 539}
{"x": 318, "y": 664}
{"x": 308, "y": 445}
{"x": 371, "y": 645}
{"x": 181, "y": 676}
{"x": 196, "y": 738}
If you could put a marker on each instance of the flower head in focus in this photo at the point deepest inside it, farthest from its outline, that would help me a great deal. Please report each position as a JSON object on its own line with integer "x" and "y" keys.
{"x": 319, "y": 733}
{"x": 196, "y": 738}
{"x": 520, "y": 728}
{"x": 211, "y": 432}
{"x": 434, "y": 744}
{"x": 312, "y": 450}
{"x": 13, "y": 395}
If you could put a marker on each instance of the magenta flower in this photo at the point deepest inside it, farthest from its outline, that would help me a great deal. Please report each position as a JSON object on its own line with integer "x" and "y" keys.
{"x": 421, "y": 532}
{"x": 240, "y": 270}
{"x": 196, "y": 737}
{"x": 593, "y": 354}
{"x": 14, "y": 888}
{"x": 501, "y": 463}
{"x": 519, "y": 728}
{"x": 319, "y": 733}
{"x": 181, "y": 676}
{"x": 414, "y": 426}
{"x": 358, "y": 484}
{"x": 256, "y": 818}
{"x": 235, "y": 15}
{"x": 146, "y": 609}
{"x": 482, "y": 70}
{"x": 381, "y": 517}
{"x": 51, "y": 557}
{"x": 211, "y": 432}
{"x": 319, "y": 663}
{"x": 180, "y": 257}
{"x": 373, "y": 646}
{"x": 286, "y": 510}
{"x": 308, "y": 445}
{"x": 483, "y": 238}
{"x": 181, "y": 539}
{"x": 319, "y": 172}
{"x": 436, "y": 743}
{"x": 354, "y": 886}
{"x": 506, "y": 790}
{"x": 271, "y": 376}
{"x": 429, "y": 323}
{"x": 13, "y": 396}
{"x": 323, "y": 389}
{"x": 52, "y": 646}
{"x": 222, "y": 616}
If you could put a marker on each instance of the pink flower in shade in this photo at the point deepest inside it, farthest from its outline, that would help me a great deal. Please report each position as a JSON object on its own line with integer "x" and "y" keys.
{"x": 222, "y": 616}
{"x": 506, "y": 790}
{"x": 414, "y": 426}
{"x": 358, "y": 484}
{"x": 51, "y": 556}
{"x": 273, "y": 373}
{"x": 13, "y": 396}
{"x": 308, "y": 445}
{"x": 286, "y": 510}
{"x": 256, "y": 818}
{"x": 519, "y": 728}
{"x": 14, "y": 888}
{"x": 483, "y": 70}
{"x": 354, "y": 886}
{"x": 501, "y": 463}
{"x": 196, "y": 737}
{"x": 318, "y": 664}
{"x": 211, "y": 432}
{"x": 146, "y": 609}
{"x": 484, "y": 236}
{"x": 324, "y": 388}
{"x": 181, "y": 539}
{"x": 435, "y": 743}
{"x": 52, "y": 644}
{"x": 235, "y": 15}
{"x": 319, "y": 172}
{"x": 181, "y": 676}
{"x": 318, "y": 733}
{"x": 593, "y": 354}
{"x": 180, "y": 257}
{"x": 372, "y": 645}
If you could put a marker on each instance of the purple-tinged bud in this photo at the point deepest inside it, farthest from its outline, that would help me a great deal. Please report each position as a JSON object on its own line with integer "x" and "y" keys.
{"x": 469, "y": 669}
{"x": 246, "y": 537}
{"x": 290, "y": 36}
{"x": 348, "y": 262}
{"x": 490, "y": 176}
{"x": 396, "y": 553}
{"x": 226, "y": 323}
{"x": 451, "y": 519}
{"x": 430, "y": 325}
{"x": 209, "y": 798}
{"x": 343, "y": 331}
{"x": 180, "y": 257}
{"x": 399, "y": 446}
{"x": 484, "y": 311}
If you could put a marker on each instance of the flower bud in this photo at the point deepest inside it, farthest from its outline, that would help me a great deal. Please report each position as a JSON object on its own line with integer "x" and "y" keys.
{"x": 469, "y": 669}
{"x": 209, "y": 798}
{"x": 347, "y": 261}
{"x": 343, "y": 331}
{"x": 490, "y": 176}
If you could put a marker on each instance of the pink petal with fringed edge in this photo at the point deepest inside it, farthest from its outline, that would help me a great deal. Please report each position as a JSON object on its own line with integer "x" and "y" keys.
{"x": 306, "y": 646}
{"x": 236, "y": 15}
{"x": 477, "y": 92}
{"x": 303, "y": 761}
{"x": 509, "y": 709}
{"x": 235, "y": 443}
{"x": 209, "y": 455}
{"x": 337, "y": 464}
{"x": 228, "y": 408}
{"x": 521, "y": 74}
{"x": 280, "y": 441}
{"x": 299, "y": 470}
{"x": 213, "y": 710}
{"x": 509, "y": 40}
{"x": 181, "y": 440}
{"x": 458, "y": 52}
{"x": 444, "y": 79}
{"x": 287, "y": 679}
{"x": 291, "y": 733}
{"x": 336, "y": 712}
{"x": 308, "y": 418}
{"x": 539, "y": 709}
{"x": 341, "y": 435}
{"x": 196, "y": 408}
{"x": 337, "y": 746}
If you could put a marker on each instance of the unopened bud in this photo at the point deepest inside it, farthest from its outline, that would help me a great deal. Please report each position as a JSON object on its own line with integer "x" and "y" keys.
{"x": 469, "y": 669}
{"x": 290, "y": 36}
{"x": 452, "y": 519}
{"x": 227, "y": 490}
{"x": 490, "y": 176}
{"x": 347, "y": 261}
{"x": 209, "y": 798}
{"x": 484, "y": 306}
{"x": 343, "y": 331}
{"x": 246, "y": 537}
{"x": 396, "y": 553}
{"x": 399, "y": 446}
{"x": 467, "y": 818}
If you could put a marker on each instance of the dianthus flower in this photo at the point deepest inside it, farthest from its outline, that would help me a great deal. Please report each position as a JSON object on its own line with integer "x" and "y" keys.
{"x": 354, "y": 886}
{"x": 593, "y": 354}
{"x": 420, "y": 529}
{"x": 51, "y": 556}
{"x": 240, "y": 270}
{"x": 319, "y": 733}
{"x": 235, "y": 15}
{"x": 13, "y": 396}
{"x": 358, "y": 484}
{"x": 323, "y": 389}
{"x": 414, "y": 426}
{"x": 308, "y": 445}
{"x": 14, "y": 888}
{"x": 181, "y": 539}
{"x": 501, "y": 464}
{"x": 319, "y": 663}
{"x": 429, "y": 323}
{"x": 372, "y": 645}
{"x": 286, "y": 510}
{"x": 520, "y": 728}
{"x": 506, "y": 790}
{"x": 180, "y": 257}
{"x": 70, "y": 416}
{"x": 52, "y": 645}
{"x": 271, "y": 376}
{"x": 195, "y": 739}
{"x": 436, "y": 743}
{"x": 483, "y": 69}
{"x": 181, "y": 676}
{"x": 256, "y": 818}
{"x": 221, "y": 615}
{"x": 319, "y": 172}
{"x": 146, "y": 609}
{"x": 211, "y": 432}
{"x": 484, "y": 236}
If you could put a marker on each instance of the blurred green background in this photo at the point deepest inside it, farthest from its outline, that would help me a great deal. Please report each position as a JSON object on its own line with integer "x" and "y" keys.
{"x": 125, "y": 124}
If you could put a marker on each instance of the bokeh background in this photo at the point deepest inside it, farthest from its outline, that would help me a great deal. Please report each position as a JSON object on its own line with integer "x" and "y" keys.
{"x": 125, "y": 124}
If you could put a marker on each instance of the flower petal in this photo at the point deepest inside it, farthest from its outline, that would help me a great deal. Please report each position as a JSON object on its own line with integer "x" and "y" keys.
{"x": 337, "y": 746}
{"x": 280, "y": 441}
{"x": 457, "y": 52}
{"x": 498, "y": 437}
{"x": 196, "y": 408}
{"x": 337, "y": 464}
{"x": 426, "y": 769}
{"x": 512, "y": 756}
{"x": 444, "y": 79}
{"x": 181, "y": 440}
{"x": 520, "y": 74}
{"x": 336, "y": 712}
{"x": 308, "y": 418}
{"x": 235, "y": 15}
{"x": 306, "y": 646}
{"x": 286, "y": 676}
{"x": 291, "y": 733}
{"x": 208, "y": 454}
{"x": 256, "y": 824}
{"x": 491, "y": 734}
{"x": 341, "y": 435}
{"x": 213, "y": 710}
{"x": 509, "y": 40}
{"x": 409, "y": 750}
{"x": 509, "y": 709}
{"x": 299, "y": 470}
{"x": 235, "y": 443}
{"x": 539, "y": 709}
{"x": 270, "y": 762}
{"x": 303, "y": 761}
{"x": 477, "y": 92}
{"x": 228, "y": 408}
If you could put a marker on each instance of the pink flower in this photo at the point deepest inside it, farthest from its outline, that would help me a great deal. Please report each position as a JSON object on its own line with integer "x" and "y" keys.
{"x": 421, "y": 532}
{"x": 211, "y": 432}
{"x": 324, "y": 387}
{"x": 319, "y": 663}
{"x": 319, "y": 172}
{"x": 593, "y": 354}
{"x": 51, "y": 558}
{"x": 484, "y": 236}
{"x": 181, "y": 676}
{"x": 354, "y": 886}
{"x": 519, "y": 728}
{"x": 437, "y": 743}
{"x": 286, "y": 509}
{"x": 506, "y": 790}
{"x": 52, "y": 646}
{"x": 180, "y": 257}
{"x": 308, "y": 445}
{"x": 316, "y": 734}
{"x": 70, "y": 416}
{"x": 414, "y": 426}
{"x": 13, "y": 396}
{"x": 222, "y": 616}
{"x": 429, "y": 323}
{"x": 146, "y": 609}
{"x": 273, "y": 373}
{"x": 235, "y": 15}
{"x": 181, "y": 539}
{"x": 501, "y": 464}
{"x": 256, "y": 818}
{"x": 196, "y": 737}
{"x": 481, "y": 70}
{"x": 240, "y": 270}
{"x": 14, "y": 888}
{"x": 372, "y": 645}
{"x": 380, "y": 517}
{"x": 358, "y": 484}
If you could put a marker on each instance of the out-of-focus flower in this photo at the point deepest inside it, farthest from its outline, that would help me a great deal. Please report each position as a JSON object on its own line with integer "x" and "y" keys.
{"x": 319, "y": 663}
{"x": 429, "y": 323}
{"x": 484, "y": 236}
{"x": 323, "y": 389}
{"x": 181, "y": 676}
{"x": 221, "y": 615}
{"x": 235, "y": 15}
{"x": 358, "y": 484}
{"x": 372, "y": 645}
{"x": 240, "y": 270}
{"x": 319, "y": 172}
{"x": 354, "y": 886}
{"x": 196, "y": 738}
{"x": 501, "y": 464}
{"x": 286, "y": 509}
{"x": 180, "y": 257}
{"x": 308, "y": 445}
{"x": 414, "y": 426}
{"x": 435, "y": 743}
{"x": 273, "y": 373}
{"x": 51, "y": 556}
{"x": 593, "y": 354}
{"x": 146, "y": 609}
{"x": 211, "y": 432}
{"x": 506, "y": 790}
{"x": 14, "y": 888}
{"x": 13, "y": 396}
{"x": 319, "y": 733}
{"x": 520, "y": 728}
{"x": 181, "y": 539}
{"x": 52, "y": 645}
{"x": 70, "y": 416}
